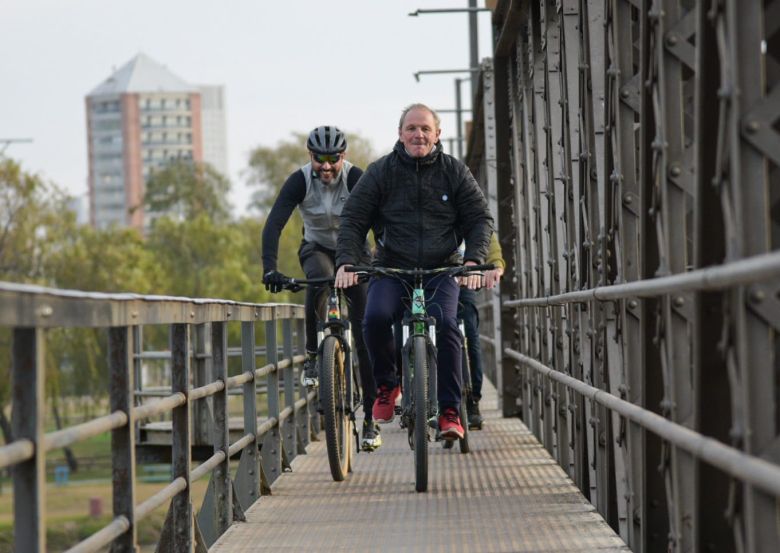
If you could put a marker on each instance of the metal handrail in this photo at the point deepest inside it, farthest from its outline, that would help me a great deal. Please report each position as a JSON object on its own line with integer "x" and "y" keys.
{"x": 751, "y": 470}
{"x": 735, "y": 273}
{"x": 28, "y": 308}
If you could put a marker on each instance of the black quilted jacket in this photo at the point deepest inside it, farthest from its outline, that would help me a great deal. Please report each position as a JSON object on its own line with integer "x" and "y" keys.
{"x": 420, "y": 209}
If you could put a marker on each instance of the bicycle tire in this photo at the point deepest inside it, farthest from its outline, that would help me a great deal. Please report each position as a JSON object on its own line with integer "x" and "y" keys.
{"x": 465, "y": 388}
{"x": 420, "y": 354}
{"x": 333, "y": 395}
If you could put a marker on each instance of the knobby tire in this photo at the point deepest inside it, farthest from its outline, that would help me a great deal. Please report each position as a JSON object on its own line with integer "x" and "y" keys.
{"x": 333, "y": 392}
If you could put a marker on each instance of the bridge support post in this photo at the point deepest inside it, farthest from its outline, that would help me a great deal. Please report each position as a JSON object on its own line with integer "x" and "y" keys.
{"x": 271, "y": 449}
{"x": 29, "y": 370}
{"x": 248, "y": 476}
{"x": 287, "y": 428}
{"x": 223, "y": 489}
{"x": 121, "y": 388}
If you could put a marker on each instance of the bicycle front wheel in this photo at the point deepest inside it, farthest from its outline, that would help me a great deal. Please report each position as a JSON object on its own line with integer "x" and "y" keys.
{"x": 420, "y": 356}
{"x": 334, "y": 400}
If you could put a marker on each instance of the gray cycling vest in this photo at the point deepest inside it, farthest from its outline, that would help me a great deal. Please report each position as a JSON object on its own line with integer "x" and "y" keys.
{"x": 321, "y": 208}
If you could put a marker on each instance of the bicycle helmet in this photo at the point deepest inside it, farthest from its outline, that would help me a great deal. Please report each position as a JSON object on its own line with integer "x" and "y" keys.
{"x": 326, "y": 140}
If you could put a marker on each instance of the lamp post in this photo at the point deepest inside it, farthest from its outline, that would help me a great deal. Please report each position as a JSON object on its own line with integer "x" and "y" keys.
{"x": 458, "y": 107}
{"x": 472, "y": 10}
{"x": 5, "y": 142}
{"x": 459, "y": 118}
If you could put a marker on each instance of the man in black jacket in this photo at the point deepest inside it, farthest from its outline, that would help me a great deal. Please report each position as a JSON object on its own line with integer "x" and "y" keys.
{"x": 425, "y": 202}
{"x": 319, "y": 190}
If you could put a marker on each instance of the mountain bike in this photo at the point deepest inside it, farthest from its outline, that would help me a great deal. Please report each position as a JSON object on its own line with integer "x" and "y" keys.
{"x": 339, "y": 379}
{"x": 419, "y": 404}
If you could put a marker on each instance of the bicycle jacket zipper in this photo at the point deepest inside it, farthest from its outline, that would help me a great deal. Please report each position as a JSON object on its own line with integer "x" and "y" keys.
{"x": 419, "y": 214}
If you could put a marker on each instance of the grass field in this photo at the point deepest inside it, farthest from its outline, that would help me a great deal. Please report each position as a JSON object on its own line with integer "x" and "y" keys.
{"x": 67, "y": 513}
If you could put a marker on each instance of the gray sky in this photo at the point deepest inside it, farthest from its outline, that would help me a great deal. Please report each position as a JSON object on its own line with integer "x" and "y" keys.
{"x": 286, "y": 66}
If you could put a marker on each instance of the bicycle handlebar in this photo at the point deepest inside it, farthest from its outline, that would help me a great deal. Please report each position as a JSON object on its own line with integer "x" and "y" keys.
{"x": 296, "y": 284}
{"x": 458, "y": 270}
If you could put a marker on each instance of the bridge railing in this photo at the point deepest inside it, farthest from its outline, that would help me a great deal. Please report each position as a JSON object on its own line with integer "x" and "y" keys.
{"x": 264, "y": 449}
{"x": 629, "y": 150}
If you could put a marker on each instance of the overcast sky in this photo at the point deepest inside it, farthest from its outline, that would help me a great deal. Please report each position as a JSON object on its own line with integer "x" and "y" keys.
{"x": 286, "y": 66}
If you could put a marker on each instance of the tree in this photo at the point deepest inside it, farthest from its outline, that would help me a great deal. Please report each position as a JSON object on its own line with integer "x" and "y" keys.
{"x": 34, "y": 216}
{"x": 188, "y": 189}
{"x": 269, "y": 167}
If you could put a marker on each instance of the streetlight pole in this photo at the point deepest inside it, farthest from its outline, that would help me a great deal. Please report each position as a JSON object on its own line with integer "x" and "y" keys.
{"x": 473, "y": 45}
{"x": 459, "y": 117}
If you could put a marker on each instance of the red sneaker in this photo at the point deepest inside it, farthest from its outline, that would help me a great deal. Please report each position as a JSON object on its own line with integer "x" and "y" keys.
{"x": 384, "y": 406}
{"x": 449, "y": 424}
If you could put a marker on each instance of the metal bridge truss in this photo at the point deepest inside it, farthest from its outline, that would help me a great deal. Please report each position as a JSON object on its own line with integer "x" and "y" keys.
{"x": 630, "y": 150}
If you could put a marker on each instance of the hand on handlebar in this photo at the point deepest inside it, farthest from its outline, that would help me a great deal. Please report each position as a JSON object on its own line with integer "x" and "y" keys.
{"x": 492, "y": 277}
{"x": 345, "y": 279}
{"x": 473, "y": 281}
{"x": 274, "y": 281}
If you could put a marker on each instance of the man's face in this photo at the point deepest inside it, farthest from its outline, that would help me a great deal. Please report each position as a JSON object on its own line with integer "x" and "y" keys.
{"x": 327, "y": 166}
{"x": 419, "y": 133}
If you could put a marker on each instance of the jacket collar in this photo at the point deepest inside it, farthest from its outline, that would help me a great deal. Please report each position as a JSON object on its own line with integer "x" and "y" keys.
{"x": 427, "y": 160}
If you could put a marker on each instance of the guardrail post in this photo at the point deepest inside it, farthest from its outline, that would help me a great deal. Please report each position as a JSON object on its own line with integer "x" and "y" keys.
{"x": 223, "y": 496}
{"x": 202, "y": 374}
{"x": 303, "y": 417}
{"x": 181, "y": 504}
{"x": 138, "y": 379}
{"x": 288, "y": 429}
{"x": 122, "y": 369}
{"x": 29, "y": 353}
{"x": 248, "y": 476}
{"x": 271, "y": 452}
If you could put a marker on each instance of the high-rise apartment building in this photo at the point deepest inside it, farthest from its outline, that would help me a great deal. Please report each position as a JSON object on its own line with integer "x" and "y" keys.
{"x": 139, "y": 119}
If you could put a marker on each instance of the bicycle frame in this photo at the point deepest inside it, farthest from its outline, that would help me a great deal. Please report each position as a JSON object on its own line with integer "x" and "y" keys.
{"x": 340, "y": 327}
{"x": 418, "y": 324}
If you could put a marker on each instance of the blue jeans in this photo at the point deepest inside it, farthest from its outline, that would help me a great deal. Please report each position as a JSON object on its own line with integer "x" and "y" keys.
{"x": 467, "y": 310}
{"x": 386, "y": 304}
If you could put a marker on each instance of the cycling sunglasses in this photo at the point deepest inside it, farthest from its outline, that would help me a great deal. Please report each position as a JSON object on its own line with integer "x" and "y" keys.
{"x": 327, "y": 158}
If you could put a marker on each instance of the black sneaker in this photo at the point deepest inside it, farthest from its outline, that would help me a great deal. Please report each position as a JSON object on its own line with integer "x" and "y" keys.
{"x": 372, "y": 439}
{"x": 310, "y": 374}
{"x": 475, "y": 418}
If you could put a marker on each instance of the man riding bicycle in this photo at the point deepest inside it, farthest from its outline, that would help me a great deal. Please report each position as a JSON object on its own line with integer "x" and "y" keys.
{"x": 425, "y": 202}
{"x": 319, "y": 190}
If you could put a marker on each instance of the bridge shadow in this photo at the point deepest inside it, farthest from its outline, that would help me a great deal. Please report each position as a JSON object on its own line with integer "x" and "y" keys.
{"x": 508, "y": 494}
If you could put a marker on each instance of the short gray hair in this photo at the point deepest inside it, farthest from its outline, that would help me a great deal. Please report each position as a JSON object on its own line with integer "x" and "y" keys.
{"x": 410, "y": 107}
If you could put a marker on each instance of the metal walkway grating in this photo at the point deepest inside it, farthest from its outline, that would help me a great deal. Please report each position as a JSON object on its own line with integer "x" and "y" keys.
{"x": 506, "y": 495}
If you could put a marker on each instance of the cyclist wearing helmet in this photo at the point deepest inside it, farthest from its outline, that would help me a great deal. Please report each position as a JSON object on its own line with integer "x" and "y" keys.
{"x": 319, "y": 190}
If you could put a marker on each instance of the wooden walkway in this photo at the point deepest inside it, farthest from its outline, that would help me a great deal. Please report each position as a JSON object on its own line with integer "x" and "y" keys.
{"x": 508, "y": 494}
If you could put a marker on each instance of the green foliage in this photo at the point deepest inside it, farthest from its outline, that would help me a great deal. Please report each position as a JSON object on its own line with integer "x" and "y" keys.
{"x": 33, "y": 216}
{"x": 201, "y": 258}
{"x": 269, "y": 167}
{"x": 198, "y": 252}
{"x": 190, "y": 190}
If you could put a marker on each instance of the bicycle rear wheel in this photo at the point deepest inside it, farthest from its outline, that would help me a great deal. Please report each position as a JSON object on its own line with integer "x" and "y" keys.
{"x": 333, "y": 395}
{"x": 420, "y": 413}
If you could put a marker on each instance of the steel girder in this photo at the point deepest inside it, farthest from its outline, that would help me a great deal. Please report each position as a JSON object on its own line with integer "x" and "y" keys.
{"x": 643, "y": 140}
